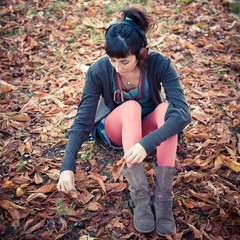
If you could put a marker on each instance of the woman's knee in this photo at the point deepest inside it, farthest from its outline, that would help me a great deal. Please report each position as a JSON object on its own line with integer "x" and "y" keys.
{"x": 132, "y": 106}
{"x": 162, "y": 108}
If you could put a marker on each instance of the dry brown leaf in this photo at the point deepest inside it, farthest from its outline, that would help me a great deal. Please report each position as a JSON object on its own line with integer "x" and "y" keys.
{"x": 36, "y": 227}
{"x": 47, "y": 234}
{"x": 64, "y": 224}
{"x": 5, "y": 182}
{"x": 99, "y": 179}
{"x": 6, "y": 10}
{"x": 189, "y": 203}
{"x": 6, "y": 87}
{"x": 217, "y": 164}
{"x": 234, "y": 165}
{"x": 117, "y": 168}
{"x": 12, "y": 147}
{"x": 21, "y": 149}
{"x": 80, "y": 175}
{"x": 201, "y": 116}
{"x": 190, "y": 46}
{"x": 83, "y": 197}
{"x": 36, "y": 196}
{"x": 19, "y": 192}
{"x": 94, "y": 206}
{"x": 38, "y": 179}
{"x": 16, "y": 211}
{"x": 116, "y": 187}
{"x": 53, "y": 174}
{"x": 192, "y": 176}
{"x": 45, "y": 189}
{"x": 201, "y": 195}
{"x": 196, "y": 232}
{"x": 115, "y": 223}
{"x": 21, "y": 118}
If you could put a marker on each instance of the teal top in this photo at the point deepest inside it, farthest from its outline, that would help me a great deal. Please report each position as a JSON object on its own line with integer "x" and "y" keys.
{"x": 141, "y": 94}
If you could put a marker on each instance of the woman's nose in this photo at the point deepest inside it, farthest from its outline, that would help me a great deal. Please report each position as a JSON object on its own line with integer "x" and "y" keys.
{"x": 118, "y": 67}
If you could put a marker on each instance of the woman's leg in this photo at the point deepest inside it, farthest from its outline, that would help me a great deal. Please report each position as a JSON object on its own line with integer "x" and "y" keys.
{"x": 123, "y": 125}
{"x": 166, "y": 152}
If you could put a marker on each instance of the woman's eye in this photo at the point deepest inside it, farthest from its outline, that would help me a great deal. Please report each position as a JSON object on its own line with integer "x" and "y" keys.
{"x": 113, "y": 61}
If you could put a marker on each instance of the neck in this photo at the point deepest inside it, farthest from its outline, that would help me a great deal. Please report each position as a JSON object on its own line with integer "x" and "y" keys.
{"x": 131, "y": 80}
{"x": 131, "y": 75}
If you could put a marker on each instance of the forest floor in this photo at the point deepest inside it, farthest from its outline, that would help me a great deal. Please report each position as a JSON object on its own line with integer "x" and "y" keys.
{"x": 46, "y": 48}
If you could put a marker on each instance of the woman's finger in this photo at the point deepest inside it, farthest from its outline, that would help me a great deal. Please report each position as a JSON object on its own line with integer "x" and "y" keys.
{"x": 134, "y": 159}
{"x": 127, "y": 154}
{"x": 66, "y": 182}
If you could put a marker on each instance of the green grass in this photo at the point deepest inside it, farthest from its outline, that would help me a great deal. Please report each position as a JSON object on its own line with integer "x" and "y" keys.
{"x": 235, "y": 6}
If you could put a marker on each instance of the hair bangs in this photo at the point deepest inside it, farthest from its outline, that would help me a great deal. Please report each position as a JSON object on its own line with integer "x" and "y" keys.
{"x": 117, "y": 48}
{"x": 121, "y": 41}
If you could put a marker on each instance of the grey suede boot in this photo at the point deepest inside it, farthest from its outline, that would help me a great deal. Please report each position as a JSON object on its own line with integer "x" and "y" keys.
{"x": 163, "y": 200}
{"x": 139, "y": 191}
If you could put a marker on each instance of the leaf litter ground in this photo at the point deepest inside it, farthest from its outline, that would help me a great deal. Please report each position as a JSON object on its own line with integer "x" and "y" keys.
{"x": 46, "y": 49}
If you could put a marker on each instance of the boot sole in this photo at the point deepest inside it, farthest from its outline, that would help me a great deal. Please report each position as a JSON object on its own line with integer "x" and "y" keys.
{"x": 142, "y": 231}
{"x": 164, "y": 235}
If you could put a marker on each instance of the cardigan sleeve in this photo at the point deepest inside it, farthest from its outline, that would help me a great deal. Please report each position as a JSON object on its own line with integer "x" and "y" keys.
{"x": 84, "y": 119}
{"x": 178, "y": 115}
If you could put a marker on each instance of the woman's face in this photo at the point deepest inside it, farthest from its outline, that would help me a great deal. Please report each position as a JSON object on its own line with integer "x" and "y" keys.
{"x": 123, "y": 66}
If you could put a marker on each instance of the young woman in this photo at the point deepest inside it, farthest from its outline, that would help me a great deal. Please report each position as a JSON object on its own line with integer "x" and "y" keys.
{"x": 133, "y": 114}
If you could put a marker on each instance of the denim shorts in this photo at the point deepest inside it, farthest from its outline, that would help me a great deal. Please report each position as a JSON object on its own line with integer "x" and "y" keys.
{"x": 103, "y": 135}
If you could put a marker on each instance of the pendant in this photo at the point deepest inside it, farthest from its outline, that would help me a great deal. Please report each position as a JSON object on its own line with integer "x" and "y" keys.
{"x": 128, "y": 82}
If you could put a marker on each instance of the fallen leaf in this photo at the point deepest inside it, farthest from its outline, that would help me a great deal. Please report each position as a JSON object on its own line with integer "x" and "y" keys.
{"x": 196, "y": 232}
{"x": 189, "y": 203}
{"x": 36, "y": 196}
{"x": 192, "y": 176}
{"x": 36, "y": 227}
{"x": 201, "y": 116}
{"x": 190, "y": 46}
{"x": 99, "y": 179}
{"x": 6, "y": 87}
{"x": 86, "y": 237}
{"x": 235, "y": 166}
{"x": 21, "y": 118}
{"x": 200, "y": 195}
{"x": 94, "y": 206}
{"x": 117, "y": 168}
{"x": 16, "y": 211}
{"x": 83, "y": 197}
{"x": 64, "y": 224}
{"x": 45, "y": 189}
{"x": 115, "y": 223}
{"x": 217, "y": 164}
{"x": 38, "y": 179}
{"x": 53, "y": 174}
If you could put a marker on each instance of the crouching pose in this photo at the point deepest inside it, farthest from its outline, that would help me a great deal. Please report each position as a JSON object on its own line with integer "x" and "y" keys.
{"x": 132, "y": 114}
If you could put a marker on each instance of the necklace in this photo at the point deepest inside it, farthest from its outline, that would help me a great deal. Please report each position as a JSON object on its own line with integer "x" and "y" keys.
{"x": 129, "y": 91}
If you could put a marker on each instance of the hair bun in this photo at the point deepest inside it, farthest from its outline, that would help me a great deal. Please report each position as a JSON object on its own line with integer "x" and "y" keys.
{"x": 138, "y": 16}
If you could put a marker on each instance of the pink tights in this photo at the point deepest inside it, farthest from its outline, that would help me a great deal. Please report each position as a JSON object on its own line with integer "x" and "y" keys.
{"x": 124, "y": 127}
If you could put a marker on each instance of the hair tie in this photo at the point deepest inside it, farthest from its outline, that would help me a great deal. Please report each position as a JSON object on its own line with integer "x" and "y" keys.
{"x": 128, "y": 19}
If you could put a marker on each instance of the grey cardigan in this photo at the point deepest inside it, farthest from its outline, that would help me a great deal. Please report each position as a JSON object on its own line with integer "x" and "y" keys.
{"x": 160, "y": 72}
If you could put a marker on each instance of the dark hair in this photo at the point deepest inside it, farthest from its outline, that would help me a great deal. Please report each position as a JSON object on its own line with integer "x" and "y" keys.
{"x": 123, "y": 40}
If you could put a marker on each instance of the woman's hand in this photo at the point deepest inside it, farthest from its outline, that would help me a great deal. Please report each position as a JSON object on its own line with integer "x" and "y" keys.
{"x": 136, "y": 154}
{"x": 66, "y": 182}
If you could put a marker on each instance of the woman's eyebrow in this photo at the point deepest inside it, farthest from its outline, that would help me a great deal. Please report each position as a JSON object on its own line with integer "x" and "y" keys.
{"x": 122, "y": 61}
